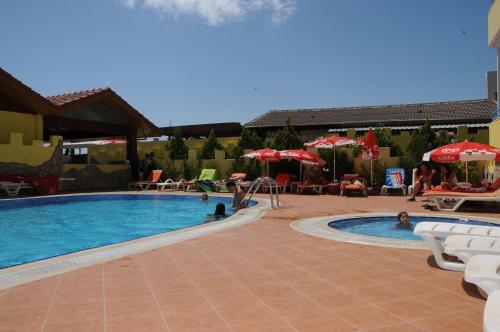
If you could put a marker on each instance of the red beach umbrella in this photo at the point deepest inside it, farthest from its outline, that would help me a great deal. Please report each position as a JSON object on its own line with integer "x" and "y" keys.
{"x": 463, "y": 151}
{"x": 303, "y": 156}
{"x": 370, "y": 151}
{"x": 331, "y": 142}
{"x": 265, "y": 155}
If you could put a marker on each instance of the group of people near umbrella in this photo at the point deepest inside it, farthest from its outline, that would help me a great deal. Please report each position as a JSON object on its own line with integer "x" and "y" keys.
{"x": 456, "y": 152}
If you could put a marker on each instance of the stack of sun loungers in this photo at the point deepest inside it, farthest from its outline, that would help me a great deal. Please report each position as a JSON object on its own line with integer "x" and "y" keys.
{"x": 478, "y": 247}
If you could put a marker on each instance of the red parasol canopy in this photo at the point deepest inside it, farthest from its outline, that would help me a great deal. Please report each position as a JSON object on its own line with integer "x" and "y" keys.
{"x": 263, "y": 154}
{"x": 463, "y": 151}
{"x": 303, "y": 156}
{"x": 330, "y": 142}
{"x": 370, "y": 150}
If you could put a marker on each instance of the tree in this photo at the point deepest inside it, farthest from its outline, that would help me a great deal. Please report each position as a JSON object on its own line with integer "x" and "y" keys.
{"x": 422, "y": 141}
{"x": 208, "y": 150}
{"x": 287, "y": 138}
{"x": 384, "y": 140}
{"x": 176, "y": 146}
{"x": 248, "y": 140}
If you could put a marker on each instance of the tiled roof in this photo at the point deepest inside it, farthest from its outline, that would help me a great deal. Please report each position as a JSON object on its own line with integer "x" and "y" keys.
{"x": 59, "y": 100}
{"x": 455, "y": 111}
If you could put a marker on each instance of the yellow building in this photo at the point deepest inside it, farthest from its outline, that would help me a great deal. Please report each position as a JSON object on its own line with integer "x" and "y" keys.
{"x": 32, "y": 128}
{"x": 494, "y": 41}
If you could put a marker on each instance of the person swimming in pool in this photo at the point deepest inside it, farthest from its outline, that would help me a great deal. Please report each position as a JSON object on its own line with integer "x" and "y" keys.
{"x": 404, "y": 221}
{"x": 204, "y": 197}
{"x": 220, "y": 213}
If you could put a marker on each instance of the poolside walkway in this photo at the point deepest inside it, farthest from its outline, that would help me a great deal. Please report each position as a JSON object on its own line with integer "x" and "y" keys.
{"x": 262, "y": 276}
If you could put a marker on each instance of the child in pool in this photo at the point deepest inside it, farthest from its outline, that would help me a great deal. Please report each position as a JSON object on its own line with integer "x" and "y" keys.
{"x": 204, "y": 197}
{"x": 404, "y": 221}
{"x": 220, "y": 213}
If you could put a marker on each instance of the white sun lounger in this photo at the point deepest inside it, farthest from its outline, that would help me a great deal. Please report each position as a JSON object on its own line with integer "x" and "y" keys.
{"x": 458, "y": 198}
{"x": 484, "y": 272}
{"x": 14, "y": 188}
{"x": 434, "y": 232}
{"x": 169, "y": 184}
{"x": 467, "y": 246}
{"x": 491, "y": 316}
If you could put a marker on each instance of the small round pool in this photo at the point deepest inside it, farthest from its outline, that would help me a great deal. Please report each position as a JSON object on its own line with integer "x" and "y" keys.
{"x": 38, "y": 228}
{"x": 385, "y": 226}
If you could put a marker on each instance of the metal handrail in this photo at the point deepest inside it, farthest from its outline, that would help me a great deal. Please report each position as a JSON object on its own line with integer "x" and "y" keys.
{"x": 266, "y": 181}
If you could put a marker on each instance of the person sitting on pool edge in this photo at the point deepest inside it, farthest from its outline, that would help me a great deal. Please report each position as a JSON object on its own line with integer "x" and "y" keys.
{"x": 220, "y": 213}
{"x": 238, "y": 195}
{"x": 404, "y": 221}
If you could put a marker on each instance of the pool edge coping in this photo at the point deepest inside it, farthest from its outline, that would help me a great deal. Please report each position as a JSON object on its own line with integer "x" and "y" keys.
{"x": 318, "y": 226}
{"x": 25, "y": 273}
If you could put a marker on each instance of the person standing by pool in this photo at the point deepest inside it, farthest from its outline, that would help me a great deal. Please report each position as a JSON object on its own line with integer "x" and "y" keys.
{"x": 238, "y": 195}
{"x": 424, "y": 178}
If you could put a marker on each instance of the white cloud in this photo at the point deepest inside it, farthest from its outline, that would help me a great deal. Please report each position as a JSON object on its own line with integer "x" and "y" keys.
{"x": 217, "y": 12}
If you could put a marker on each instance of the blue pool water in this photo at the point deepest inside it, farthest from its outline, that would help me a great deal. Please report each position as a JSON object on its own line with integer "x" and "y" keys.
{"x": 385, "y": 226}
{"x": 34, "y": 229}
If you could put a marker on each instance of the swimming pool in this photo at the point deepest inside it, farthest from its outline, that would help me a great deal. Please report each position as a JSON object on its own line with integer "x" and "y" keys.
{"x": 40, "y": 228}
{"x": 385, "y": 226}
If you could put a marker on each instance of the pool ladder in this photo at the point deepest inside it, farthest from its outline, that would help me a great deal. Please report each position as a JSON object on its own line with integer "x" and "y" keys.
{"x": 273, "y": 190}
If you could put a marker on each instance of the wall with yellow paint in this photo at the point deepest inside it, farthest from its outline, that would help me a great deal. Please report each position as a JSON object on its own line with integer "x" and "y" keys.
{"x": 493, "y": 23}
{"x": 34, "y": 154}
{"x": 29, "y": 125}
{"x": 495, "y": 133}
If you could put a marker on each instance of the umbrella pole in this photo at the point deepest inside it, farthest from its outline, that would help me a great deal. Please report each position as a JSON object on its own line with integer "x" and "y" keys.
{"x": 371, "y": 172}
{"x": 300, "y": 172}
{"x": 267, "y": 168}
{"x": 466, "y": 171}
{"x": 334, "y": 164}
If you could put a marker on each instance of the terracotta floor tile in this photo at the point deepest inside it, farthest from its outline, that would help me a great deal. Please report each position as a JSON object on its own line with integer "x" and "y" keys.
{"x": 274, "y": 325}
{"x": 402, "y": 327}
{"x": 181, "y": 303}
{"x": 447, "y": 323}
{"x": 130, "y": 306}
{"x": 474, "y": 315}
{"x": 409, "y": 308}
{"x": 137, "y": 323}
{"x": 378, "y": 294}
{"x": 444, "y": 301}
{"x": 245, "y": 312}
{"x": 23, "y": 317}
{"x": 339, "y": 300}
{"x": 75, "y": 295}
{"x": 312, "y": 286}
{"x": 195, "y": 321}
{"x": 368, "y": 317}
{"x": 75, "y": 326}
{"x": 76, "y": 311}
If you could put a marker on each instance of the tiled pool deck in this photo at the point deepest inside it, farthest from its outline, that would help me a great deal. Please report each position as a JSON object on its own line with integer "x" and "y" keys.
{"x": 262, "y": 276}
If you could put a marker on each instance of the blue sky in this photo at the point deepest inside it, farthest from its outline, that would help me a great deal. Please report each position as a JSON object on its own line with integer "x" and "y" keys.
{"x": 201, "y": 61}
